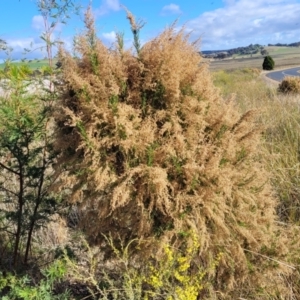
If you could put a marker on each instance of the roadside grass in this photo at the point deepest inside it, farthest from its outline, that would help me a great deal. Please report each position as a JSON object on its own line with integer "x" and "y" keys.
{"x": 279, "y": 117}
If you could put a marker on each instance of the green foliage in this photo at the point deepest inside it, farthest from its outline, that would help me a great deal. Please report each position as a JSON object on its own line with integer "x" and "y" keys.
{"x": 113, "y": 103}
{"x": 33, "y": 65}
{"x": 268, "y": 63}
{"x": 13, "y": 287}
{"x": 150, "y": 153}
{"x": 26, "y": 156}
{"x": 136, "y": 26}
{"x": 26, "y": 142}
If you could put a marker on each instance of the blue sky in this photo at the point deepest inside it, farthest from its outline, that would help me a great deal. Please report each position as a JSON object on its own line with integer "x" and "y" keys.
{"x": 221, "y": 24}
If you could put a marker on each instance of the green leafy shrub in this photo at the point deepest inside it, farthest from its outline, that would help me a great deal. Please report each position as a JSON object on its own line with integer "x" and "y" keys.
{"x": 268, "y": 63}
{"x": 26, "y": 157}
{"x": 13, "y": 287}
{"x": 27, "y": 200}
{"x": 290, "y": 85}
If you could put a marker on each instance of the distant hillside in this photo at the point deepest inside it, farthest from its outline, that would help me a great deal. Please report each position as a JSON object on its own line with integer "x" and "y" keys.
{"x": 251, "y": 49}
{"x": 297, "y": 44}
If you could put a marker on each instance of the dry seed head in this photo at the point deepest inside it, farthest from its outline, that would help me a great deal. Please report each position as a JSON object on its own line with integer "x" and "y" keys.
{"x": 135, "y": 25}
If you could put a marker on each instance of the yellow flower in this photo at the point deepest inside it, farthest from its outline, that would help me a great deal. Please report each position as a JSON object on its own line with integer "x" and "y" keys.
{"x": 169, "y": 254}
{"x": 187, "y": 293}
{"x": 181, "y": 278}
{"x": 184, "y": 264}
{"x": 155, "y": 281}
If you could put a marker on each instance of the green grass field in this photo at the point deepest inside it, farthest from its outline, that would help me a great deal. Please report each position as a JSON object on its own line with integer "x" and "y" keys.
{"x": 33, "y": 64}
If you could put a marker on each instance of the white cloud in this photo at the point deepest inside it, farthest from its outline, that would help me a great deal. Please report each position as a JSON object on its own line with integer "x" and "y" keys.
{"x": 229, "y": 2}
{"x": 34, "y": 44}
{"x": 37, "y": 23}
{"x": 170, "y": 9}
{"x": 19, "y": 44}
{"x": 242, "y": 22}
{"x": 109, "y": 37}
{"x": 106, "y": 7}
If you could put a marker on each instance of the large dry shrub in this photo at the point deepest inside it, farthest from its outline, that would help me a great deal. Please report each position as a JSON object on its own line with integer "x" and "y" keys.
{"x": 153, "y": 152}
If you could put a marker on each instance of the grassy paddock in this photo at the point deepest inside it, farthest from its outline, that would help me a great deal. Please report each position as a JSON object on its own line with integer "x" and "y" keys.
{"x": 32, "y": 64}
{"x": 283, "y": 56}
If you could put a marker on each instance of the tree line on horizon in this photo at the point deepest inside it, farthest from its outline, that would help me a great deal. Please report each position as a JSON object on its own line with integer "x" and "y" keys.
{"x": 247, "y": 50}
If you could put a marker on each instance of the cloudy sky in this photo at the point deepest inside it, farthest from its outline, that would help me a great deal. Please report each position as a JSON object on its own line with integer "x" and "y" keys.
{"x": 221, "y": 24}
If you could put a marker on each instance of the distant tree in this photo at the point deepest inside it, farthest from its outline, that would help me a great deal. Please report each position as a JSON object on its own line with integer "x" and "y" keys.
{"x": 268, "y": 63}
{"x": 264, "y": 52}
{"x": 221, "y": 55}
{"x": 297, "y": 44}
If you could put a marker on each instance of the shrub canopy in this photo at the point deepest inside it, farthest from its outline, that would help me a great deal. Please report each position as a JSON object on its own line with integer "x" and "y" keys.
{"x": 268, "y": 63}
{"x": 153, "y": 151}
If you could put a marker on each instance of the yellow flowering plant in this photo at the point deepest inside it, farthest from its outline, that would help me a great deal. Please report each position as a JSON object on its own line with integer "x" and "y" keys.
{"x": 177, "y": 276}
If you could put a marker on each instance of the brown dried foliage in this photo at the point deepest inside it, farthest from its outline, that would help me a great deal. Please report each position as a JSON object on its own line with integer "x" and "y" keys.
{"x": 152, "y": 151}
{"x": 290, "y": 85}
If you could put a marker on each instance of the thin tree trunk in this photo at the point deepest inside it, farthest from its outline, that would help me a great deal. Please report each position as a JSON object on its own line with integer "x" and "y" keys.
{"x": 20, "y": 215}
{"x": 32, "y": 224}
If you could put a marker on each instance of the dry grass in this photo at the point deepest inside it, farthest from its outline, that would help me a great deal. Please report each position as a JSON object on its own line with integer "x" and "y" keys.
{"x": 280, "y": 116}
